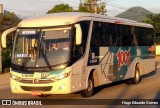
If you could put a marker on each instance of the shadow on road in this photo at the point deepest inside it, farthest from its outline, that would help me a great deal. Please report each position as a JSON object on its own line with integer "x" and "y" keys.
{"x": 149, "y": 74}
{"x": 158, "y": 95}
{"x": 100, "y": 88}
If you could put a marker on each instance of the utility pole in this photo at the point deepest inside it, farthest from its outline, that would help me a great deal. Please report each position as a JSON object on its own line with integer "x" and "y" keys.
{"x": 95, "y": 7}
{"x": 1, "y": 16}
{"x": 92, "y": 6}
{"x": 1, "y": 11}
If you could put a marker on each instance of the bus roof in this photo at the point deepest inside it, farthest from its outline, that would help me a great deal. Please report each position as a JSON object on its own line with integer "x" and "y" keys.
{"x": 66, "y": 18}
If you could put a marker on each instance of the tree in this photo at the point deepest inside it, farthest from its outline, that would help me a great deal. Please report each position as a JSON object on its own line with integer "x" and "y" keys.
{"x": 89, "y": 6}
{"x": 82, "y": 8}
{"x": 154, "y": 19}
{"x": 101, "y": 8}
{"x": 6, "y": 59}
{"x": 7, "y": 20}
{"x": 61, "y": 8}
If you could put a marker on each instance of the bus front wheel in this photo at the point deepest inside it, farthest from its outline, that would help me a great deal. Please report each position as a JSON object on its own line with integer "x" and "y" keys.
{"x": 89, "y": 91}
{"x": 44, "y": 95}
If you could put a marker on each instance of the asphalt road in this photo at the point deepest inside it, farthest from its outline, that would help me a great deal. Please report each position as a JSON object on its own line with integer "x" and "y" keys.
{"x": 148, "y": 88}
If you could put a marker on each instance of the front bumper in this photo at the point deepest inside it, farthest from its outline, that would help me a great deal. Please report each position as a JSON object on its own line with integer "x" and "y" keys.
{"x": 62, "y": 86}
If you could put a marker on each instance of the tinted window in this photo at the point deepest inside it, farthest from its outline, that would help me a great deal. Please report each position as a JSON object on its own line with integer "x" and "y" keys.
{"x": 150, "y": 36}
{"x": 109, "y": 34}
{"x": 98, "y": 33}
{"x": 103, "y": 34}
{"x": 145, "y": 36}
{"x": 112, "y": 31}
{"x": 78, "y": 50}
{"x": 127, "y": 38}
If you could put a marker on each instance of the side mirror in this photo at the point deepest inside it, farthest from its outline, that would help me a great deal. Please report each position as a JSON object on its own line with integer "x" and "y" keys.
{"x": 4, "y": 35}
{"x": 78, "y": 34}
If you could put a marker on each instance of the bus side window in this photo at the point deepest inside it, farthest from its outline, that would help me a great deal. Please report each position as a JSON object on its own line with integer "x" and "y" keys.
{"x": 149, "y": 36}
{"x": 127, "y": 38}
{"x": 140, "y": 35}
{"x": 134, "y": 36}
{"x": 108, "y": 35}
{"x": 78, "y": 50}
{"x": 103, "y": 34}
{"x": 118, "y": 35}
{"x": 97, "y": 31}
{"x": 112, "y": 34}
{"x": 145, "y": 36}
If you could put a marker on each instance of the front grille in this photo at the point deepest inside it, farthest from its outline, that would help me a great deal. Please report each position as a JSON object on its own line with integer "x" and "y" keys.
{"x": 39, "y": 81}
{"x": 48, "y": 88}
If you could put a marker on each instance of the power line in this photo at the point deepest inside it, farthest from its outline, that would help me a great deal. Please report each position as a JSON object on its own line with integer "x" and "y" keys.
{"x": 93, "y": 6}
{"x": 22, "y": 11}
{"x": 68, "y": 3}
{"x": 24, "y": 14}
{"x": 115, "y": 5}
{"x": 123, "y": 8}
{"x": 33, "y": 13}
{"x": 19, "y": 10}
{"x": 74, "y": 2}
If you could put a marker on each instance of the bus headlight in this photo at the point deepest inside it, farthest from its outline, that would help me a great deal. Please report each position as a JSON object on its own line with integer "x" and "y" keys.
{"x": 15, "y": 77}
{"x": 59, "y": 77}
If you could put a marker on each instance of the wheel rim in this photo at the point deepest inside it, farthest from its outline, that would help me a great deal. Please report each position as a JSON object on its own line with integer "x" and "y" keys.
{"x": 137, "y": 75}
{"x": 90, "y": 85}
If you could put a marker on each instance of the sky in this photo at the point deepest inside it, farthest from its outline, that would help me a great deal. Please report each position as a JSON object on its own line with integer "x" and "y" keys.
{"x": 29, "y": 8}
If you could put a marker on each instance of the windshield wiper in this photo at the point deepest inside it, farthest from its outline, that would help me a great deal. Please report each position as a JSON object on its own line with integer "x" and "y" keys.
{"x": 45, "y": 59}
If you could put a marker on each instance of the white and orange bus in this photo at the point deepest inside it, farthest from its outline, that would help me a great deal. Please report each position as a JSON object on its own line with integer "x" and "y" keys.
{"x": 63, "y": 53}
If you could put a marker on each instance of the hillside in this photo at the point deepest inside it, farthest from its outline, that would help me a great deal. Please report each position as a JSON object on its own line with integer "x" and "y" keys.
{"x": 135, "y": 13}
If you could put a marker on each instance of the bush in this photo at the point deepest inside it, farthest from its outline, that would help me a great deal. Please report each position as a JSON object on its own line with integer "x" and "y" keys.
{"x": 6, "y": 59}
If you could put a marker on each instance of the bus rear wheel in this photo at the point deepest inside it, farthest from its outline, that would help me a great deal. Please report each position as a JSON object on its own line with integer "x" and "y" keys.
{"x": 90, "y": 89}
{"x": 136, "y": 79}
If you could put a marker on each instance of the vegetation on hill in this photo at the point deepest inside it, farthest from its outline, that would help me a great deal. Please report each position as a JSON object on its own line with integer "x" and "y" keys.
{"x": 154, "y": 19}
{"x": 135, "y": 13}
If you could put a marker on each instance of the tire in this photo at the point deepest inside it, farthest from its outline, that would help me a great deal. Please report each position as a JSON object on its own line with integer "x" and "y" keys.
{"x": 90, "y": 89}
{"x": 136, "y": 79}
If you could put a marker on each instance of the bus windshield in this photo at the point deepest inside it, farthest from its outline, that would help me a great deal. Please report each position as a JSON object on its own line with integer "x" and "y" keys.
{"x": 41, "y": 47}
